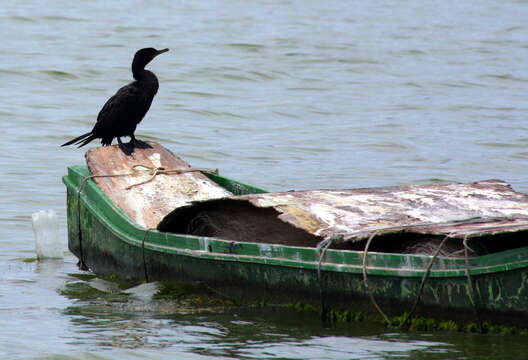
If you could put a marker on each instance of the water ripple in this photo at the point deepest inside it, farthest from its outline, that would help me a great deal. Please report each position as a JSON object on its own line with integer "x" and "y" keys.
{"x": 61, "y": 18}
{"x": 202, "y": 94}
{"x": 507, "y": 77}
{"x": 22, "y": 18}
{"x": 247, "y": 47}
{"x": 59, "y": 75}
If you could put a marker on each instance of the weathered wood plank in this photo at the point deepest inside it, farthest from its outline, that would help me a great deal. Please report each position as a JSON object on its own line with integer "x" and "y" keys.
{"x": 148, "y": 203}
{"x": 459, "y": 210}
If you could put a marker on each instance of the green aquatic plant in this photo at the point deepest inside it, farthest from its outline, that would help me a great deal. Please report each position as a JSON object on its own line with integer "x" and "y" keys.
{"x": 473, "y": 327}
{"x": 81, "y": 291}
{"x": 488, "y": 327}
{"x": 346, "y": 316}
{"x": 202, "y": 296}
{"x": 430, "y": 324}
{"x": 83, "y": 276}
{"x": 259, "y": 303}
{"x": 192, "y": 295}
{"x": 173, "y": 290}
{"x": 448, "y": 325}
{"x": 300, "y": 306}
{"x": 423, "y": 324}
{"x": 121, "y": 283}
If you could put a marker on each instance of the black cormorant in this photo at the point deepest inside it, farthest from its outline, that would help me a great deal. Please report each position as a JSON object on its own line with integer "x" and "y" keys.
{"x": 123, "y": 111}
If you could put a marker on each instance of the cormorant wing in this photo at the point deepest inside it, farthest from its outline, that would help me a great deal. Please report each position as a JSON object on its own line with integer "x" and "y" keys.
{"x": 119, "y": 112}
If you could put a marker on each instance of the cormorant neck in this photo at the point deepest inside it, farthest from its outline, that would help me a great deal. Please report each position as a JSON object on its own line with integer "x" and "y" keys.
{"x": 138, "y": 72}
{"x": 138, "y": 67}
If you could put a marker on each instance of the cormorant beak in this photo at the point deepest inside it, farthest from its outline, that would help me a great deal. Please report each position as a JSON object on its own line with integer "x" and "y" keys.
{"x": 161, "y": 52}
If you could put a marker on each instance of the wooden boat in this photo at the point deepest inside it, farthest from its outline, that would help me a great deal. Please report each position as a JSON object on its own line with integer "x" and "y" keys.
{"x": 359, "y": 269}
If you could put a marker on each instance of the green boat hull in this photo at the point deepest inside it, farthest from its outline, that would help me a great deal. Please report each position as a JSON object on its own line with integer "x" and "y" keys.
{"x": 492, "y": 287}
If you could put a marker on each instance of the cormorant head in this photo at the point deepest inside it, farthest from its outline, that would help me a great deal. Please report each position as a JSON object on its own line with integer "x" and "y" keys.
{"x": 144, "y": 56}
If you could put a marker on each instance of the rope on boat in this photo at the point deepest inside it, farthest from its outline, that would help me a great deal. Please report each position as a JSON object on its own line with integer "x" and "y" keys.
{"x": 153, "y": 171}
{"x": 325, "y": 244}
{"x": 472, "y": 294}
{"x": 82, "y": 264}
{"x": 143, "y": 255}
{"x": 365, "y": 279}
{"x": 321, "y": 250}
{"x": 150, "y": 170}
{"x": 424, "y": 280}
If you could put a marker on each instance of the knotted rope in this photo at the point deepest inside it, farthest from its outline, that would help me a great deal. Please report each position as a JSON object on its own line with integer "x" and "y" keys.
{"x": 138, "y": 169}
{"x": 472, "y": 293}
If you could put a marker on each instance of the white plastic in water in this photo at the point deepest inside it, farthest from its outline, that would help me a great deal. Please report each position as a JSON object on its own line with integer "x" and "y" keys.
{"x": 144, "y": 291}
{"x": 47, "y": 240}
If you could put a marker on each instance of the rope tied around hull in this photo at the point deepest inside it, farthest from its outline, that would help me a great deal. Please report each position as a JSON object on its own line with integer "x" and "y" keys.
{"x": 365, "y": 279}
{"x": 153, "y": 171}
{"x": 321, "y": 250}
{"x": 424, "y": 280}
{"x": 409, "y": 315}
{"x": 472, "y": 293}
{"x": 145, "y": 272}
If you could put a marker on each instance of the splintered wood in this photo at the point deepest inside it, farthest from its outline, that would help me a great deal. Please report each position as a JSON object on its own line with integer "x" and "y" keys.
{"x": 142, "y": 197}
{"x": 461, "y": 211}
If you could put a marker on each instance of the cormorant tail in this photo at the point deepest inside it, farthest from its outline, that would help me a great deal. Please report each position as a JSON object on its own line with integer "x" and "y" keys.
{"x": 87, "y": 140}
{"x": 78, "y": 139}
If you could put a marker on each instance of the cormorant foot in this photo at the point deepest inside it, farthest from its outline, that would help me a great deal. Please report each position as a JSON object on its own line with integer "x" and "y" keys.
{"x": 127, "y": 149}
{"x": 140, "y": 144}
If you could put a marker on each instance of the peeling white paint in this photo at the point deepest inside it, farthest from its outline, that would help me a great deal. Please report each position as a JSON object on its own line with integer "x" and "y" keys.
{"x": 156, "y": 159}
{"x": 362, "y": 211}
{"x": 266, "y": 250}
{"x": 204, "y": 244}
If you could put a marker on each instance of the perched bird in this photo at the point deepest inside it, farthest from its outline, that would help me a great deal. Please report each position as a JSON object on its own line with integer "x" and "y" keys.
{"x": 123, "y": 111}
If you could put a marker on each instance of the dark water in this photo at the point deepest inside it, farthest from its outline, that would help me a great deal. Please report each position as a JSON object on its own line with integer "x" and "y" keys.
{"x": 281, "y": 94}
